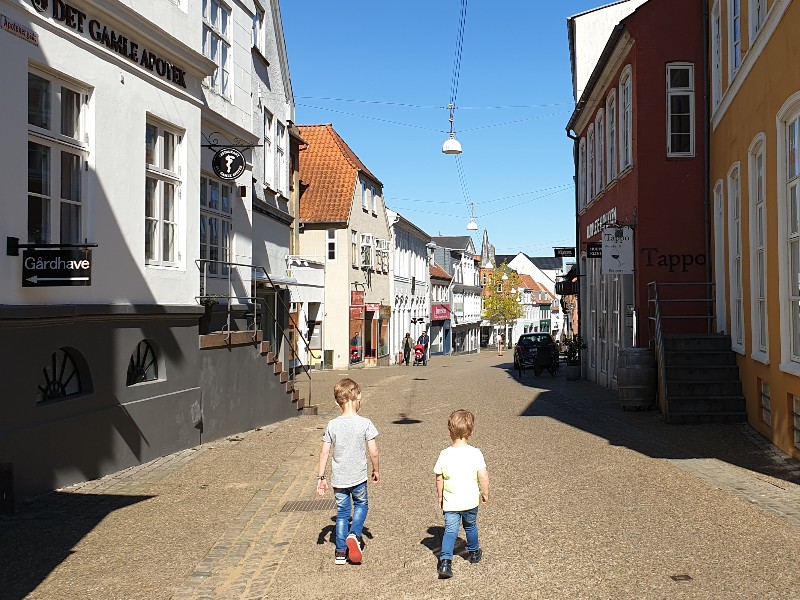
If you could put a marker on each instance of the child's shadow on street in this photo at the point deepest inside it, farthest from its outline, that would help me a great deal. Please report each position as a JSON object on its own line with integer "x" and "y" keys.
{"x": 434, "y": 543}
{"x": 329, "y": 533}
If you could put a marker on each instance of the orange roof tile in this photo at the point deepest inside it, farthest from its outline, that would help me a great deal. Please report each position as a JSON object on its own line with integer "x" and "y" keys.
{"x": 439, "y": 272}
{"x": 330, "y": 168}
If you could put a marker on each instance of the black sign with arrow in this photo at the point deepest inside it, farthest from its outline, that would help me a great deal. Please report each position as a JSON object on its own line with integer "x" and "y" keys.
{"x": 64, "y": 267}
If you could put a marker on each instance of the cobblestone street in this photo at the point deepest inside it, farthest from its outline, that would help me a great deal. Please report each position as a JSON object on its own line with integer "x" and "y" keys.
{"x": 588, "y": 501}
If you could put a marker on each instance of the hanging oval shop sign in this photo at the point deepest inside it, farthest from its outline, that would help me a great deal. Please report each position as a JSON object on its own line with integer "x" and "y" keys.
{"x": 228, "y": 164}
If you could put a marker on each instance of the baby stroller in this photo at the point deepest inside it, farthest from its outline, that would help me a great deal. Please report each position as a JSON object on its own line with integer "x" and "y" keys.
{"x": 419, "y": 355}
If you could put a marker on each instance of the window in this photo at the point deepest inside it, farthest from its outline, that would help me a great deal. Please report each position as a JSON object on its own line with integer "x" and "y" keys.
{"x": 735, "y": 243}
{"x": 354, "y": 247}
{"x": 143, "y": 365}
{"x": 796, "y": 420}
{"x": 367, "y": 258}
{"x": 63, "y": 376}
{"x": 734, "y": 37}
{"x": 282, "y": 173}
{"x": 599, "y": 172}
{"x": 161, "y": 195}
{"x": 590, "y": 164}
{"x": 758, "y": 14}
{"x": 57, "y": 154}
{"x": 611, "y": 135}
{"x": 216, "y": 17}
{"x": 374, "y": 196}
{"x": 582, "y": 174}
{"x": 382, "y": 256}
{"x": 758, "y": 247}
{"x": 366, "y": 196}
{"x": 269, "y": 151}
{"x": 792, "y": 232}
{"x": 216, "y": 224}
{"x": 331, "y": 244}
{"x": 766, "y": 403}
{"x": 680, "y": 110}
{"x": 716, "y": 56}
{"x": 258, "y": 31}
{"x": 625, "y": 120}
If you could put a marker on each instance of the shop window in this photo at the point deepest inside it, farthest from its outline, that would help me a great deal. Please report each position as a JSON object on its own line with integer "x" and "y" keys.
{"x": 64, "y": 376}
{"x": 143, "y": 365}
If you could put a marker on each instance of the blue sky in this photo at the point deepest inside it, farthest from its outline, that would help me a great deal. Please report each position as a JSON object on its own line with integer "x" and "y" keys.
{"x": 382, "y": 73}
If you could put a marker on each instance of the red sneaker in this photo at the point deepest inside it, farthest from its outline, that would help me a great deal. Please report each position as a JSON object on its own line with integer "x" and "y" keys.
{"x": 353, "y": 548}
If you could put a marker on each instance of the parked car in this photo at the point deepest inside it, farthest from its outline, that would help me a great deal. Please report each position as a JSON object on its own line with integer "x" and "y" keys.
{"x": 537, "y": 351}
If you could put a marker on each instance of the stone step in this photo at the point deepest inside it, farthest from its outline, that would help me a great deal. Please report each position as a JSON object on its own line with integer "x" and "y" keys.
{"x": 706, "y": 405}
{"x": 702, "y": 372}
{"x": 709, "y": 342}
{"x": 698, "y": 389}
{"x": 699, "y": 357}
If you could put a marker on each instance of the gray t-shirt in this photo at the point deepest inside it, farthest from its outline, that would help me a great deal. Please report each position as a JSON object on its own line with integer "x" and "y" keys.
{"x": 349, "y": 436}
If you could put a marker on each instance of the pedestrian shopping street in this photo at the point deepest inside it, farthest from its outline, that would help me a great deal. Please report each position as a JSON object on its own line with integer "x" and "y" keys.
{"x": 587, "y": 501}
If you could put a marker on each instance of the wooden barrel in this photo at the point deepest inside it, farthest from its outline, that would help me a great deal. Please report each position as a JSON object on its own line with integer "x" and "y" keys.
{"x": 637, "y": 378}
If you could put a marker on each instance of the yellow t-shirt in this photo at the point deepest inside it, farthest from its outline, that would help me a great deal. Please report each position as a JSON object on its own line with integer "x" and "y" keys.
{"x": 459, "y": 466}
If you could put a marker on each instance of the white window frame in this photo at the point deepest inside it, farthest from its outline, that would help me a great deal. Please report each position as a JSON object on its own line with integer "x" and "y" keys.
{"x": 716, "y": 56}
{"x": 788, "y": 163}
{"x": 720, "y": 270}
{"x": 56, "y": 191}
{"x": 330, "y": 245}
{"x": 374, "y": 198}
{"x": 164, "y": 178}
{"x": 599, "y": 152}
{"x": 282, "y": 168}
{"x": 734, "y": 37}
{"x": 354, "y": 248}
{"x": 222, "y": 215}
{"x": 582, "y": 173}
{"x": 217, "y": 22}
{"x": 269, "y": 151}
{"x": 626, "y": 119}
{"x": 735, "y": 258}
{"x": 611, "y": 136}
{"x": 757, "y": 17}
{"x": 590, "y": 164}
{"x": 675, "y": 92}
{"x": 258, "y": 31}
{"x": 367, "y": 250}
{"x": 758, "y": 248}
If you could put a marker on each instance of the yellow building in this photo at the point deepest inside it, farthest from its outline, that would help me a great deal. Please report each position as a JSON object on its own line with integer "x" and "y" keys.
{"x": 754, "y": 196}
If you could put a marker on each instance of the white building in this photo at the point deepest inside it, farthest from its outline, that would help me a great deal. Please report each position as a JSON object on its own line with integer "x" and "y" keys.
{"x": 456, "y": 255}
{"x": 115, "y": 101}
{"x": 410, "y": 280}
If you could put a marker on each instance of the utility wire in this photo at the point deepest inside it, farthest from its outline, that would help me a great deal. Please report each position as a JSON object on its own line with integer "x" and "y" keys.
{"x": 462, "y": 20}
{"x": 431, "y": 106}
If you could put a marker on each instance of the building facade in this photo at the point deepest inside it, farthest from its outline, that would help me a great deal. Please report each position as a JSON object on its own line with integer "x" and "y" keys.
{"x": 639, "y": 157}
{"x": 440, "y": 333}
{"x": 121, "y": 205}
{"x": 755, "y": 124}
{"x": 343, "y": 222}
{"x": 456, "y": 255}
{"x": 410, "y": 291}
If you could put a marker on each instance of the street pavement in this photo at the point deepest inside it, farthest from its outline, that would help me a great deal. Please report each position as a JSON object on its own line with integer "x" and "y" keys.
{"x": 587, "y": 501}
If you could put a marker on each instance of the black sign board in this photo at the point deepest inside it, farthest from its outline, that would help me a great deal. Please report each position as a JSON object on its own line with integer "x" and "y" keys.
{"x": 594, "y": 250}
{"x": 564, "y": 252}
{"x": 72, "y": 266}
{"x": 228, "y": 164}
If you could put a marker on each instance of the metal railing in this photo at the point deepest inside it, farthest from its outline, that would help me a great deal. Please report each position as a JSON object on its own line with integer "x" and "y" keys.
{"x": 252, "y": 301}
{"x": 665, "y": 297}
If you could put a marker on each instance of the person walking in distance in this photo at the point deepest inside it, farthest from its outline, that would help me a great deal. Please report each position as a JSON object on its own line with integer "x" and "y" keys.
{"x": 423, "y": 340}
{"x": 462, "y": 484}
{"x": 408, "y": 346}
{"x": 352, "y": 437}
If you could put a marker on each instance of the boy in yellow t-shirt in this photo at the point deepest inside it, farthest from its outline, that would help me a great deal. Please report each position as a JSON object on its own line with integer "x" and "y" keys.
{"x": 462, "y": 483}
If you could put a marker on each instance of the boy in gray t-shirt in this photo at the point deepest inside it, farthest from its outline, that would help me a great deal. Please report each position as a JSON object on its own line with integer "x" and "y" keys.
{"x": 351, "y": 436}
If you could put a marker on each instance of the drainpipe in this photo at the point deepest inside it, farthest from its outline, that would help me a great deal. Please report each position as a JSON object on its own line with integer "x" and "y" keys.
{"x": 707, "y": 160}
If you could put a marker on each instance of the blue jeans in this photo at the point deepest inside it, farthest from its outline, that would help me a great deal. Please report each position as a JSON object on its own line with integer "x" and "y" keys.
{"x": 452, "y": 523}
{"x": 360, "y": 505}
